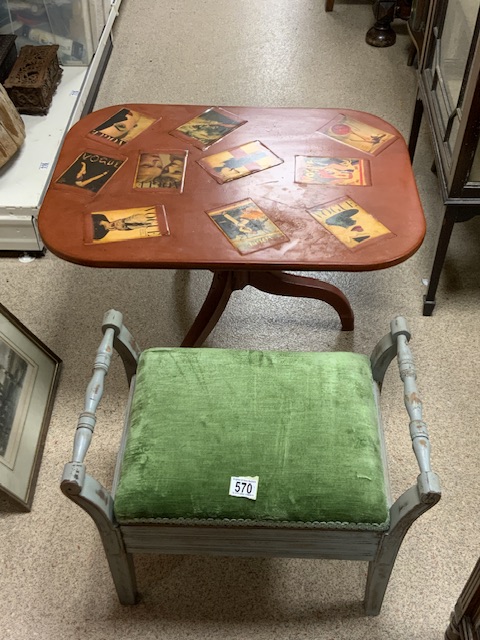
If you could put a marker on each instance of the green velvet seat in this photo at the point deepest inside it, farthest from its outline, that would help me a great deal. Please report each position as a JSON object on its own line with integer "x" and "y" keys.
{"x": 305, "y": 423}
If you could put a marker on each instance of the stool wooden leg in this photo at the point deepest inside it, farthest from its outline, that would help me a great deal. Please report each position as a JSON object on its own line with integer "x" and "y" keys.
{"x": 98, "y": 503}
{"x": 329, "y": 5}
{"x": 403, "y": 513}
{"x": 122, "y": 571}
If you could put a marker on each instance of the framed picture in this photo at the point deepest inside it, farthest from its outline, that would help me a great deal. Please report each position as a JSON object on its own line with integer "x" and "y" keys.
{"x": 29, "y": 374}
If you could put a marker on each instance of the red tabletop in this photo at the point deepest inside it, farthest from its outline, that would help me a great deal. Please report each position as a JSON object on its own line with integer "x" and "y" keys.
{"x": 194, "y": 240}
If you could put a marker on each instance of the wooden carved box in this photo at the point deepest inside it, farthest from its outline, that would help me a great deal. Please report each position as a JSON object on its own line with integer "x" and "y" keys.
{"x": 34, "y": 78}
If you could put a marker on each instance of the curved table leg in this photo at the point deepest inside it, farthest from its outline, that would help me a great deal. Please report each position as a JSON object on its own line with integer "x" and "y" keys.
{"x": 286, "y": 284}
{"x": 218, "y": 295}
{"x": 224, "y": 283}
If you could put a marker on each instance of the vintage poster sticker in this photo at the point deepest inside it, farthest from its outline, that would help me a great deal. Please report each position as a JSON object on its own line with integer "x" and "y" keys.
{"x": 332, "y": 171}
{"x": 246, "y": 226}
{"x": 162, "y": 170}
{"x": 118, "y": 225}
{"x": 349, "y": 222}
{"x": 209, "y": 127}
{"x": 239, "y": 162}
{"x": 357, "y": 134}
{"x": 122, "y": 126}
{"x": 90, "y": 171}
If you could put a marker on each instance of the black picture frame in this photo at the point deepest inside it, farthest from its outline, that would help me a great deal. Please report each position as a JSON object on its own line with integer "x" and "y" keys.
{"x": 29, "y": 375}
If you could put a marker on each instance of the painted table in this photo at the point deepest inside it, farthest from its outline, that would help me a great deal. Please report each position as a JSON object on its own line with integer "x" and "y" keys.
{"x": 292, "y": 190}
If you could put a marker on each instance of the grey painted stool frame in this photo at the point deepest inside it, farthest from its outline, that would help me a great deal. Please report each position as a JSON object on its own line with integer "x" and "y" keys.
{"x": 121, "y": 541}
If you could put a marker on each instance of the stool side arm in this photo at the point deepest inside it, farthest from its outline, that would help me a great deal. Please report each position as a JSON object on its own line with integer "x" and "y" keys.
{"x": 87, "y": 419}
{"x": 82, "y": 488}
{"x": 386, "y": 349}
{"x": 428, "y": 482}
{"x": 394, "y": 344}
{"x": 418, "y": 498}
{"x": 124, "y": 343}
{"x": 382, "y": 355}
{"x": 115, "y": 336}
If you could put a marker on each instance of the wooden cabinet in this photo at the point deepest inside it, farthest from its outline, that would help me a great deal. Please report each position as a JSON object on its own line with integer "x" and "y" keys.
{"x": 465, "y": 619}
{"x": 449, "y": 94}
{"x": 385, "y": 11}
{"x": 417, "y": 26}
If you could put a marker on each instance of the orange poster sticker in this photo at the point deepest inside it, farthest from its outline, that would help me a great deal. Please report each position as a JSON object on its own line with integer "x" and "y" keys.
{"x": 332, "y": 171}
{"x": 349, "y": 222}
{"x": 240, "y": 161}
{"x": 122, "y": 126}
{"x": 209, "y": 127}
{"x": 246, "y": 226}
{"x": 357, "y": 134}
{"x": 118, "y": 225}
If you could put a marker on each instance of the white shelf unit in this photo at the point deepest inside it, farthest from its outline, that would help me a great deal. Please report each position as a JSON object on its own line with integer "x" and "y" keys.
{"x": 24, "y": 180}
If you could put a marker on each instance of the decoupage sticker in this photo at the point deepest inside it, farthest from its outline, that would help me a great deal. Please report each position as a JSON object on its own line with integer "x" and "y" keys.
{"x": 163, "y": 170}
{"x": 357, "y": 134}
{"x": 239, "y": 162}
{"x": 349, "y": 222}
{"x": 209, "y": 127}
{"x": 122, "y": 126}
{"x": 90, "y": 171}
{"x": 331, "y": 171}
{"x": 118, "y": 225}
{"x": 246, "y": 226}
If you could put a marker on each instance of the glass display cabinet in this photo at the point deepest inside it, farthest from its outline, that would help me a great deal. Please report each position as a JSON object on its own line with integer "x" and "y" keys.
{"x": 75, "y": 25}
{"x": 449, "y": 93}
{"x": 81, "y": 29}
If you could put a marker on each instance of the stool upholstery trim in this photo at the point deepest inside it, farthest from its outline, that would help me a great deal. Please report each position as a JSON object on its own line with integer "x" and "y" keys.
{"x": 264, "y": 524}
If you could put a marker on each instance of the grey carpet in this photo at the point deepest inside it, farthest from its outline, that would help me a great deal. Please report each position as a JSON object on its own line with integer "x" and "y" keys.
{"x": 54, "y": 580}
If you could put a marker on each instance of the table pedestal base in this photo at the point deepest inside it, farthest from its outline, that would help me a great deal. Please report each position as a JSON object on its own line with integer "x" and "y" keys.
{"x": 224, "y": 283}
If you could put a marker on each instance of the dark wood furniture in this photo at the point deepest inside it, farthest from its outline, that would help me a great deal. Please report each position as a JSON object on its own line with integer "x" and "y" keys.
{"x": 465, "y": 619}
{"x": 449, "y": 93}
{"x": 417, "y": 26}
{"x": 381, "y": 33}
{"x": 196, "y": 243}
